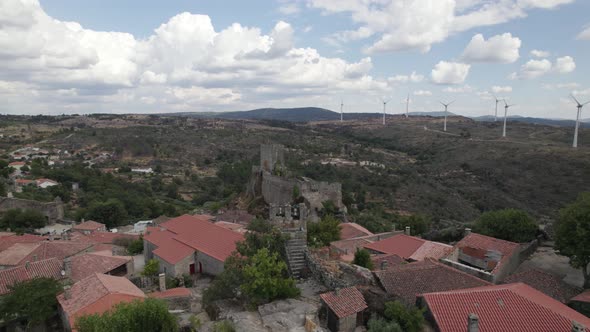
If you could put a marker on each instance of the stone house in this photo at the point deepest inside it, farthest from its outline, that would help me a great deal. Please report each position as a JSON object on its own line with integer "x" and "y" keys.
{"x": 89, "y": 227}
{"x": 345, "y": 309}
{"x": 188, "y": 245}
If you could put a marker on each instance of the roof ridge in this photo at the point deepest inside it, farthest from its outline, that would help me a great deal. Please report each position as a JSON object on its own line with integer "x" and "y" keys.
{"x": 492, "y": 238}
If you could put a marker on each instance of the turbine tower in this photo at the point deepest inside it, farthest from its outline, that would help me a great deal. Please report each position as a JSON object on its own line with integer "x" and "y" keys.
{"x": 575, "y": 144}
{"x": 384, "y": 104}
{"x": 446, "y": 112}
{"x": 496, "y": 113}
{"x": 341, "y": 107}
{"x": 407, "y": 106}
{"x": 506, "y": 106}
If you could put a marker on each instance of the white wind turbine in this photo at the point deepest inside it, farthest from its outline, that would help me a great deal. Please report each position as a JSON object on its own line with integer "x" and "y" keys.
{"x": 496, "y": 113}
{"x": 341, "y": 107}
{"x": 575, "y": 144}
{"x": 446, "y": 112}
{"x": 506, "y": 106}
{"x": 384, "y": 105}
{"x": 407, "y": 106}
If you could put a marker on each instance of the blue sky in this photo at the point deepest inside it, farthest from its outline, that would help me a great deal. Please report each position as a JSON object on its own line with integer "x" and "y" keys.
{"x": 64, "y": 56}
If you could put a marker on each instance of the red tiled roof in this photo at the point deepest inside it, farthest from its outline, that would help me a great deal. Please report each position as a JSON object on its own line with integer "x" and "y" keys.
{"x": 23, "y": 181}
{"x": 48, "y": 268}
{"x": 9, "y": 240}
{"x": 231, "y": 226}
{"x": 109, "y": 237}
{"x": 91, "y": 263}
{"x": 406, "y": 281}
{"x": 502, "y": 308}
{"x": 89, "y": 225}
{"x": 410, "y": 247}
{"x": 17, "y": 253}
{"x": 584, "y": 297}
{"x": 391, "y": 259}
{"x": 169, "y": 249}
{"x": 96, "y": 294}
{"x": 17, "y": 163}
{"x": 546, "y": 283}
{"x": 346, "y": 302}
{"x": 478, "y": 245}
{"x": 174, "y": 292}
{"x": 200, "y": 234}
{"x": 351, "y": 230}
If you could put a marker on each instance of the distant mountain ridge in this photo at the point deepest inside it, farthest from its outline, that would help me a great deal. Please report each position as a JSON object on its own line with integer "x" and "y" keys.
{"x": 307, "y": 114}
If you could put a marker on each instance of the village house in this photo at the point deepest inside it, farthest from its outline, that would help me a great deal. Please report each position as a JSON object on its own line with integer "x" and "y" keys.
{"x": 546, "y": 283}
{"x": 81, "y": 266}
{"x": 349, "y": 230}
{"x": 345, "y": 309}
{"x": 17, "y": 165}
{"x": 500, "y": 308}
{"x": 21, "y": 253}
{"x": 485, "y": 257}
{"x": 187, "y": 245}
{"x": 47, "y": 268}
{"x": 95, "y": 294}
{"x": 46, "y": 183}
{"x": 410, "y": 248}
{"x": 405, "y": 281}
{"x": 89, "y": 227}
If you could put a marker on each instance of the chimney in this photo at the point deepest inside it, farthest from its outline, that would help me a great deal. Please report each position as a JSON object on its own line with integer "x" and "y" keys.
{"x": 337, "y": 291}
{"x": 27, "y": 265}
{"x": 384, "y": 265}
{"x": 407, "y": 230}
{"x": 113, "y": 251}
{"x": 162, "y": 282}
{"x": 577, "y": 327}
{"x": 467, "y": 231}
{"x": 67, "y": 293}
{"x": 472, "y": 323}
{"x": 68, "y": 266}
{"x": 34, "y": 258}
{"x": 51, "y": 237}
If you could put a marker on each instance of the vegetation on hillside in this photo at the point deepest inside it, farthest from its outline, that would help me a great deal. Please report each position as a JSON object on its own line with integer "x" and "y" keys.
{"x": 508, "y": 224}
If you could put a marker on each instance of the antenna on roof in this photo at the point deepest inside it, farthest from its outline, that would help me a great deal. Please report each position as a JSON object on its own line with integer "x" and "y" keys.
{"x": 446, "y": 112}
{"x": 580, "y": 106}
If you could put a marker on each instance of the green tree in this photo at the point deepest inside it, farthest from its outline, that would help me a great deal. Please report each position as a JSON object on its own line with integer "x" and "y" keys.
{"x": 151, "y": 268}
{"x": 324, "y": 232}
{"x": 410, "y": 319}
{"x": 362, "y": 257}
{"x": 265, "y": 279}
{"x": 296, "y": 193}
{"x": 509, "y": 224}
{"x": 572, "y": 234}
{"x": 149, "y": 315}
{"x": 136, "y": 246}
{"x": 22, "y": 220}
{"x": 262, "y": 234}
{"x": 33, "y": 300}
{"x": 377, "y": 324}
{"x": 111, "y": 212}
{"x": 418, "y": 223}
{"x": 226, "y": 284}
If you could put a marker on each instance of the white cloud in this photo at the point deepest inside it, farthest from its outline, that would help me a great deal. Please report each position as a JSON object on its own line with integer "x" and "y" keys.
{"x": 501, "y": 89}
{"x": 289, "y": 9}
{"x": 185, "y": 64}
{"x": 585, "y": 92}
{"x": 485, "y": 95}
{"x": 460, "y": 89}
{"x": 413, "y": 77}
{"x": 565, "y": 65}
{"x": 500, "y": 48}
{"x": 584, "y": 34}
{"x": 418, "y": 24}
{"x": 533, "y": 69}
{"x": 450, "y": 72}
{"x": 422, "y": 93}
{"x": 568, "y": 86}
{"x": 540, "y": 54}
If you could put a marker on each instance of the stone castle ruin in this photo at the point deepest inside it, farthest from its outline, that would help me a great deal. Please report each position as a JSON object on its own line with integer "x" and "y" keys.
{"x": 53, "y": 211}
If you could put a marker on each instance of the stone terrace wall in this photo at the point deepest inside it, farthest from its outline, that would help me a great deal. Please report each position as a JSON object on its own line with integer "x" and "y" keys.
{"x": 335, "y": 274}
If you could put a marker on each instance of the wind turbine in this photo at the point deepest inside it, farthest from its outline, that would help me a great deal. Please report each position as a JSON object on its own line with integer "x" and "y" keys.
{"x": 575, "y": 144}
{"x": 446, "y": 112}
{"x": 341, "y": 107}
{"x": 384, "y": 104}
{"x": 407, "y": 106}
{"x": 496, "y": 114}
{"x": 506, "y": 106}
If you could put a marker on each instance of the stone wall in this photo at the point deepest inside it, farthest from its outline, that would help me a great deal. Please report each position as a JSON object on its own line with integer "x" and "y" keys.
{"x": 53, "y": 211}
{"x": 336, "y": 274}
{"x": 211, "y": 266}
{"x": 271, "y": 155}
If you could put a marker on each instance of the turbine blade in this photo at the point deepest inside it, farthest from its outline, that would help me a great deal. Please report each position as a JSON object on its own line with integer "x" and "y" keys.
{"x": 450, "y": 103}
{"x": 588, "y": 102}
{"x": 571, "y": 94}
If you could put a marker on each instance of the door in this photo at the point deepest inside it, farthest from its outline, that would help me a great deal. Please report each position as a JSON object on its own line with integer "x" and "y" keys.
{"x": 200, "y": 268}
{"x": 192, "y": 268}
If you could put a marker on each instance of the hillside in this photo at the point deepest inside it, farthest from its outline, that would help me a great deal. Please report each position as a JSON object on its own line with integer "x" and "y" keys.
{"x": 539, "y": 121}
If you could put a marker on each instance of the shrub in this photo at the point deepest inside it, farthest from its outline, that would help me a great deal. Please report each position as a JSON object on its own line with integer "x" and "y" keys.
{"x": 323, "y": 232}
{"x": 151, "y": 268}
{"x": 509, "y": 224}
{"x": 410, "y": 319}
{"x": 362, "y": 257}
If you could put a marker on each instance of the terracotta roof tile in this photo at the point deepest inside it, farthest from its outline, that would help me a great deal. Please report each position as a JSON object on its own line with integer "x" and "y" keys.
{"x": 89, "y": 225}
{"x": 48, "y": 268}
{"x": 351, "y": 230}
{"x": 9, "y": 240}
{"x": 406, "y": 281}
{"x": 91, "y": 263}
{"x": 17, "y": 253}
{"x": 169, "y": 249}
{"x": 410, "y": 247}
{"x": 346, "y": 302}
{"x": 96, "y": 294}
{"x": 502, "y": 308}
{"x": 544, "y": 282}
{"x": 583, "y": 297}
{"x": 391, "y": 259}
{"x": 109, "y": 237}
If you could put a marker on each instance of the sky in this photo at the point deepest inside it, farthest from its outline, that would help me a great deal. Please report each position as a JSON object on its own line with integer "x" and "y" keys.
{"x": 112, "y": 56}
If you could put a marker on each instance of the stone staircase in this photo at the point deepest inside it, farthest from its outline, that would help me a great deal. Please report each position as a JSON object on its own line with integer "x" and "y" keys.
{"x": 296, "y": 247}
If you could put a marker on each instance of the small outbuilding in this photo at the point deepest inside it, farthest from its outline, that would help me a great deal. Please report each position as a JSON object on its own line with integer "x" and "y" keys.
{"x": 345, "y": 309}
